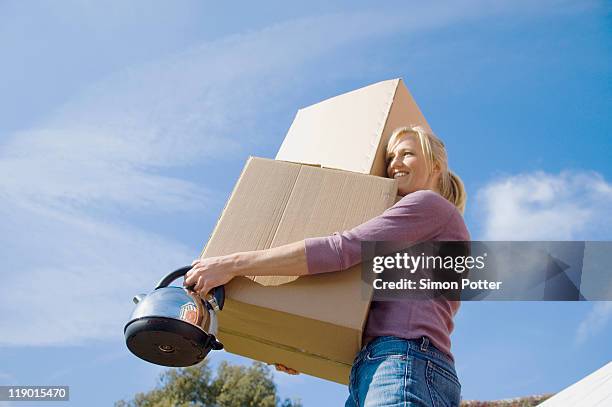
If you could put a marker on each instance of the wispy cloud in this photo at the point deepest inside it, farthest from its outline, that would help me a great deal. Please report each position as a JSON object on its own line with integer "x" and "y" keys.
{"x": 69, "y": 277}
{"x": 6, "y": 377}
{"x": 595, "y": 321}
{"x": 542, "y": 206}
{"x": 71, "y": 259}
{"x": 70, "y": 271}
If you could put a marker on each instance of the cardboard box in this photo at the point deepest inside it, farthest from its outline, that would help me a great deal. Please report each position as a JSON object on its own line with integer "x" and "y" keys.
{"x": 312, "y": 323}
{"x": 350, "y": 131}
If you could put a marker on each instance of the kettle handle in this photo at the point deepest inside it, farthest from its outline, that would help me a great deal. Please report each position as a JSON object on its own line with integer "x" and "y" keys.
{"x": 218, "y": 292}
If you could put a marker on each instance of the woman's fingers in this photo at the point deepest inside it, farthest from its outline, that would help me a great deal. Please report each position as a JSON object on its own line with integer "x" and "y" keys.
{"x": 285, "y": 369}
{"x": 206, "y": 274}
{"x": 196, "y": 285}
{"x": 192, "y": 276}
{"x": 203, "y": 286}
{"x": 190, "y": 279}
{"x": 199, "y": 279}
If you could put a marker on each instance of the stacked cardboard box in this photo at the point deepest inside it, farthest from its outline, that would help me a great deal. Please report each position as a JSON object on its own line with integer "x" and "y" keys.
{"x": 312, "y": 324}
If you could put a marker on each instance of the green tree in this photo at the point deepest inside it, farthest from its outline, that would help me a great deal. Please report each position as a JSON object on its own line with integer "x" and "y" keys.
{"x": 233, "y": 386}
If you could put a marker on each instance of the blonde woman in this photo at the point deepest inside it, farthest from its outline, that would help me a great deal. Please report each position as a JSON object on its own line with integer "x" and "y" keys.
{"x": 406, "y": 357}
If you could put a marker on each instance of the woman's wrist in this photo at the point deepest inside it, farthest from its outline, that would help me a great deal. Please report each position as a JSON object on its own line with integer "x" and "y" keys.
{"x": 286, "y": 260}
{"x": 239, "y": 263}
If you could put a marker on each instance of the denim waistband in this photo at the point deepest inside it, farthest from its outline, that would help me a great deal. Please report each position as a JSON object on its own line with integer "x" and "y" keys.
{"x": 420, "y": 345}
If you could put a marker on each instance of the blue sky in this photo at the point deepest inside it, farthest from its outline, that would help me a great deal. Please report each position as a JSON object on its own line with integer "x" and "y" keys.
{"x": 124, "y": 126}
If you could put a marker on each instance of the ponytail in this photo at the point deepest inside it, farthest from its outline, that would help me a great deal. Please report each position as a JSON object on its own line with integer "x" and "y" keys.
{"x": 451, "y": 187}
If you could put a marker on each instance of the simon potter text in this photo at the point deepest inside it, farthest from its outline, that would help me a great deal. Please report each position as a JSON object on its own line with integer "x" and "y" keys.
{"x": 411, "y": 264}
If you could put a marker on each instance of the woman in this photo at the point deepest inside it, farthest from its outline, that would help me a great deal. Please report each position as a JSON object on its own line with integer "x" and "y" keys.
{"x": 407, "y": 356}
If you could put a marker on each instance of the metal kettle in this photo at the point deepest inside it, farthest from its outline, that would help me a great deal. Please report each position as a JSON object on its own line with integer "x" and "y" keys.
{"x": 174, "y": 326}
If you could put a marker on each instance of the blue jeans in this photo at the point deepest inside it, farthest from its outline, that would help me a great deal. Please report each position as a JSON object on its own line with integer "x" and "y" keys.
{"x": 391, "y": 371}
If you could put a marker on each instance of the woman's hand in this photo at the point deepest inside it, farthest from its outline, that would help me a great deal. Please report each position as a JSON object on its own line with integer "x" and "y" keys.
{"x": 209, "y": 273}
{"x": 283, "y": 368}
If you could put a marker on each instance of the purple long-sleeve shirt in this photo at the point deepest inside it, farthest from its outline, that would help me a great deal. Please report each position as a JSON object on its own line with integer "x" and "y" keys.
{"x": 417, "y": 217}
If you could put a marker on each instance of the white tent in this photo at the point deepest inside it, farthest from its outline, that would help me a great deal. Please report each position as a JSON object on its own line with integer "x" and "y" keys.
{"x": 593, "y": 390}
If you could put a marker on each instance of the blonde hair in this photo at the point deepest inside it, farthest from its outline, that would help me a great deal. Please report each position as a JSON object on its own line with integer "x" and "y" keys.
{"x": 449, "y": 185}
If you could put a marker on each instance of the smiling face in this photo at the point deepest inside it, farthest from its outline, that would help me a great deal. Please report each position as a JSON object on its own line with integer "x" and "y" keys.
{"x": 407, "y": 164}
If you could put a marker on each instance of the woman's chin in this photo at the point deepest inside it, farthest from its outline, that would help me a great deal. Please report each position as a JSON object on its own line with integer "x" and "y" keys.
{"x": 404, "y": 191}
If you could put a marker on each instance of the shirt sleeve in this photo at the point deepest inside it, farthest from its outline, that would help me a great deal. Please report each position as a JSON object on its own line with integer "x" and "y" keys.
{"x": 417, "y": 217}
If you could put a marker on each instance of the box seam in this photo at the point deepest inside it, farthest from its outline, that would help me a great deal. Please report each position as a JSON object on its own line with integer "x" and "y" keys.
{"x": 285, "y": 204}
{"x": 289, "y": 196}
{"x": 281, "y": 346}
{"x": 376, "y": 140}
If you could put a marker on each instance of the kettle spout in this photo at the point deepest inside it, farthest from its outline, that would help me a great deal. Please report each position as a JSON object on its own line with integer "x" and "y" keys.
{"x": 138, "y": 298}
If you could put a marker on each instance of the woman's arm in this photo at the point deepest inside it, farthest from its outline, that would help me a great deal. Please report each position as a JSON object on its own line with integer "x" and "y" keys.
{"x": 287, "y": 260}
{"x": 416, "y": 217}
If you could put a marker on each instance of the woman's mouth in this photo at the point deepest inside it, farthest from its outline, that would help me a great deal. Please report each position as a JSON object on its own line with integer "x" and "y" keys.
{"x": 399, "y": 174}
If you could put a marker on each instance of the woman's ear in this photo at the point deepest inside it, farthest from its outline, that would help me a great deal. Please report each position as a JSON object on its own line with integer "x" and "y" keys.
{"x": 437, "y": 168}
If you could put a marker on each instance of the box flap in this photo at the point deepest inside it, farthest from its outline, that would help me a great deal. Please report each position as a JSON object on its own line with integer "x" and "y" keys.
{"x": 404, "y": 112}
{"x": 350, "y": 131}
{"x": 260, "y": 178}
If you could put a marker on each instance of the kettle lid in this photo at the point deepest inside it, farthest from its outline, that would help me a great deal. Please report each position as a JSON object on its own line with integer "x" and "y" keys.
{"x": 169, "y": 342}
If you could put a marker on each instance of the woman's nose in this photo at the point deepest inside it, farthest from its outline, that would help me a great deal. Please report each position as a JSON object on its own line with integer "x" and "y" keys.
{"x": 392, "y": 166}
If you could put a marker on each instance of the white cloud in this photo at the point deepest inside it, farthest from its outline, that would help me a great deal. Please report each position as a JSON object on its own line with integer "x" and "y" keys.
{"x": 595, "y": 321}
{"x": 541, "y": 206}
